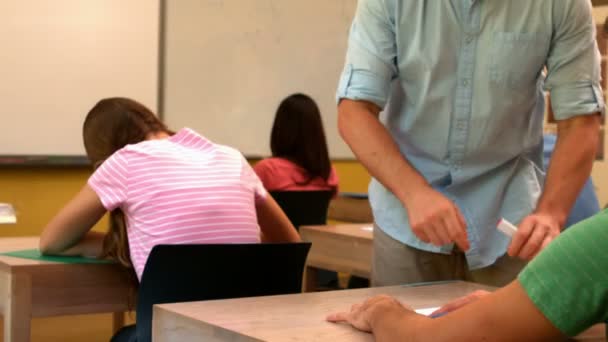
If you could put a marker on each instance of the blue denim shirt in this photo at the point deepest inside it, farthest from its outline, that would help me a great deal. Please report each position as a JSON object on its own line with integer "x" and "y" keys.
{"x": 468, "y": 109}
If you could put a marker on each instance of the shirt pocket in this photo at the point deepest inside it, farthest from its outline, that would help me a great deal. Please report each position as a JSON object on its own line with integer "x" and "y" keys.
{"x": 517, "y": 59}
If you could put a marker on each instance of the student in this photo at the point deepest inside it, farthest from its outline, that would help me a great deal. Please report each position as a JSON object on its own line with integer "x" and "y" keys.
{"x": 562, "y": 291}
{"x": 300, "y": 160}
{"x": 161, "y": 188}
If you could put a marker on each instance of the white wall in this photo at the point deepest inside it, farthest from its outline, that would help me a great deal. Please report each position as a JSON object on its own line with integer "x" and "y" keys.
{"x": 59, "y": 57}
{"x": 230, "y": 62}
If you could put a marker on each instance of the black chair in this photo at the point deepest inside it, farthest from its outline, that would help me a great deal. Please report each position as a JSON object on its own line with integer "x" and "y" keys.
{"x": 182, "y": 273}
{"x": 304, "y": 207}
{"x": 308, "y": 208}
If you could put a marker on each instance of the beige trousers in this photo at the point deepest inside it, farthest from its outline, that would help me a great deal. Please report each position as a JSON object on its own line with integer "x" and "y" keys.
{"x": 395, "y": 263}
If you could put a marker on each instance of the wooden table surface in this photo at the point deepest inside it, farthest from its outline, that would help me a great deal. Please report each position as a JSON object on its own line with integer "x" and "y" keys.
{"x": 298, "y": 317}
{"x": 33, "y": 288}
{"x": 342, "y": 248}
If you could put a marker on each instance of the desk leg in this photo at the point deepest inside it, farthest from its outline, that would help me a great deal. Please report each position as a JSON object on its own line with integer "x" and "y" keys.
{"x": 310, "y": 279}
{"x": 18, "y": 308}
{"x": 118, "y": 321}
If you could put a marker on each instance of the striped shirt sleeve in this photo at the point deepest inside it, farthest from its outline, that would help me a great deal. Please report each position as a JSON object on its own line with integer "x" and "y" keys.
{"x": 109, "y": 181}
{"x": 568, "y": 281}
{"x": 249, "y": 177}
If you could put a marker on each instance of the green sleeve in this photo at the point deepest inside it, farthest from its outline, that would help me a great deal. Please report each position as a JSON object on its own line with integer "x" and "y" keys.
{"x": 568, "y": 281}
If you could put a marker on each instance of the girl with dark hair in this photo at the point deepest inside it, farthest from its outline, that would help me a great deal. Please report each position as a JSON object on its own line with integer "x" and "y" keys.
{"x": 160, "y": 187}
{"x": 300, "y": 160}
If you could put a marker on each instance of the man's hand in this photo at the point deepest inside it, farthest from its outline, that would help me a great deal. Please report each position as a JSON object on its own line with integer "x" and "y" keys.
{"x": 362, "y": 316}
{"x": 435, "y": 219}
{"x": 534, "y": 233}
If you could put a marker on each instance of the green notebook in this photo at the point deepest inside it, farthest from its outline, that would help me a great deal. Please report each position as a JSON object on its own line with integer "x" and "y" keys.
{"x": 34, "y": 254}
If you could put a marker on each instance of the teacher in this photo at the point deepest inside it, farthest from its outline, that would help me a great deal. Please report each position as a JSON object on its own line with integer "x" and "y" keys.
{"x": 461, "y": 147}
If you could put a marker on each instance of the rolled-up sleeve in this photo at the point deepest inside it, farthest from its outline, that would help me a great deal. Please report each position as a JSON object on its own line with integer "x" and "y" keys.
{"x": 371, "y": 55}
{"x": 573, "y": 63}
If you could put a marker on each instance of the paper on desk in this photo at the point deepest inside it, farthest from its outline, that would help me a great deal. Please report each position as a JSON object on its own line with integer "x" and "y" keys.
{"x": 426, "y": 311}
{"x": 7, "y": 214}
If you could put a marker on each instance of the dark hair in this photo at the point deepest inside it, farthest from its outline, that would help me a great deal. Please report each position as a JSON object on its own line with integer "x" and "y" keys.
{"x": 297, "y": 135}
{"x": 114, "y": 123}
{"x": 109, "y": 126}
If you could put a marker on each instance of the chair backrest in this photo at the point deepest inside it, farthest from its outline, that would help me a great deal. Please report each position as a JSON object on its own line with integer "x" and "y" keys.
{"x": 304, "y": 207}
{"x": 181, "y": 273}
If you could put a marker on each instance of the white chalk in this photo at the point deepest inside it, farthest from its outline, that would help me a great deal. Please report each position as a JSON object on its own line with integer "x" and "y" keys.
{"x": 427, "y": 311}
{"x": 506, "y": 227}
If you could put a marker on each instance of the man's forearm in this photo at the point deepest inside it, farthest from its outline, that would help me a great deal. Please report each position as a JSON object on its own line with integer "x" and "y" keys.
{"x": 570, "y": 165}
{"x": 375, "y": 148}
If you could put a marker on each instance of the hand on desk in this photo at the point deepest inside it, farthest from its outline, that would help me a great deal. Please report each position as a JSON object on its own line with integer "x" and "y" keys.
{"x": 362, "y": 316}
{"x": 436, "y": 219}
{"x": 534, "y": 233}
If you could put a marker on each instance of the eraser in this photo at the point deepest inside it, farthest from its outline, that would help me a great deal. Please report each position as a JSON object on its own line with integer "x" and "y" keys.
{"x": 506, "y": 227}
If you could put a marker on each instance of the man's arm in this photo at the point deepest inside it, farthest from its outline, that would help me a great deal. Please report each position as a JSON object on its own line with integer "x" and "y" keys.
{"x": 570, "y": 166}
{"x": 433, "y": 217}
{"x": 363, "y": 90}
{"x": 573, "y": 75}
{"x": 572, "y": 160}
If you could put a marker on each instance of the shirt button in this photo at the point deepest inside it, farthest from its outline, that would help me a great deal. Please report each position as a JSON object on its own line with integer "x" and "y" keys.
{"x": 468, "y": 39}
{"x": 465, "y": 82}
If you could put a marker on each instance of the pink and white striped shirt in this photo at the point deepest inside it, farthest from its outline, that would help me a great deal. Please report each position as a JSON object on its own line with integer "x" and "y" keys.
{"x": 180, "y": 190}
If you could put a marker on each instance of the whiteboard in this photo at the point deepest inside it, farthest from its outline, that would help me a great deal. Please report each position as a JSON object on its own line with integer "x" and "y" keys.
{"x": 228, "y": 64}
{"x": 60, "y": 57}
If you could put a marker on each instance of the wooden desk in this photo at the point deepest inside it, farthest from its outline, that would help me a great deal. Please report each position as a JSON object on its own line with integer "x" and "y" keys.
{"x": 350, "y": 209}
{"x": 32, "y": 288}
{"x": 299, "y": 317}
{"x": 342, "y": 248}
